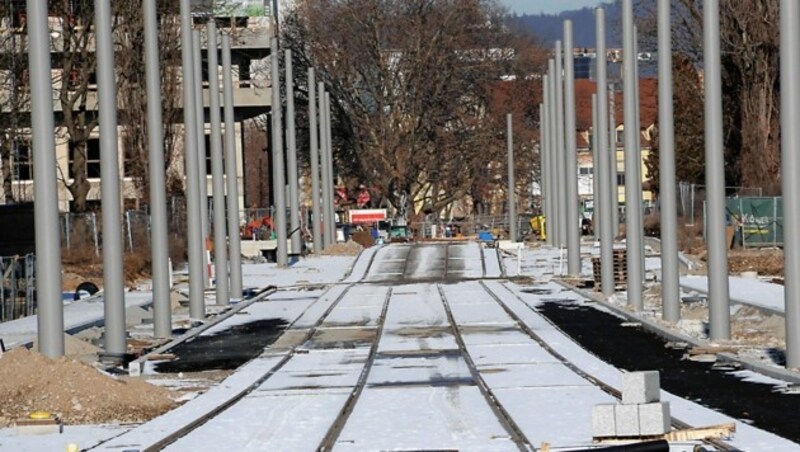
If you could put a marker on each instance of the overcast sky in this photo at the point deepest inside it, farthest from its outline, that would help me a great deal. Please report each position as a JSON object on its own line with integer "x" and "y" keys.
{"x": 546, "y": 6}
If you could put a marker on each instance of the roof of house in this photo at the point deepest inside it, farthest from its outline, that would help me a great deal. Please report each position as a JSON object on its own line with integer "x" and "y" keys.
{"x": 648, "y": 101}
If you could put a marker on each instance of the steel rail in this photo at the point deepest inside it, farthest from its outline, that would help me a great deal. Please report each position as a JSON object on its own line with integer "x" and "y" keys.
{"x": 607, "y": 388}
{"x": 332, "y": 435}
{"x": 505, "y": 418}
{"x": 233, "y": 400}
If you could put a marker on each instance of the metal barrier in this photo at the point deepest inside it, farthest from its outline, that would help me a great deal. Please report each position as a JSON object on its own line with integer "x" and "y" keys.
{"x": 18, "y": 292}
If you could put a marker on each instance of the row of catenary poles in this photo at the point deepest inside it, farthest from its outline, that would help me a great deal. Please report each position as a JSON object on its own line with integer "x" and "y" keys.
{"x": 229, "y": 277}
{"x": 558, "y": 159}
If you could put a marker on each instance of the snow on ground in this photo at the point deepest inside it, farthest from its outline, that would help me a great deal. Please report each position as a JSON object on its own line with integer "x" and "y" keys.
{"x": 308, "y": 392}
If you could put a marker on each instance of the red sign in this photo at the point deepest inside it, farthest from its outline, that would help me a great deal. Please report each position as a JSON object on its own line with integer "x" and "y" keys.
{"x": 367, "y": 215}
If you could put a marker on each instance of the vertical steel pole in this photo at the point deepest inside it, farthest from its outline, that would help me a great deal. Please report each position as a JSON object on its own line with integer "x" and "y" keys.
{"x": 512, "y": 200}
{"x": 232, "y": 173}
{"x": 639, "y": 191}
{"x": 606, "y": 162}
{"x": 113, "y": 280}
{"x": 291, "y": 159}
{"x": 719, "y": 302}
{"x": 571, "y": 157}
{"x": 202, "y": 172}
{"x": 790, "y": 158}
{"x": 197, "y": 276}
{"x": 547, "y": 175}
{"x": 544, "y": 181}
{"x": 326, "y": 181}
{"x": 552, "y": 119}
{"x": 313, "y": 128}
{"x": 561, "y": 157}
{"x": 670, "y": 290}
{"x": 331, "y": 179}
{"x": 217, "y": 171}
{"x": 595, "y": 173}
{"x": 50, "y": 320}
{"x": 278, "y": 173}
{"x": 633, "y": 209}
{"x": 613, "y": 168}
{"x": 159, "y": 240}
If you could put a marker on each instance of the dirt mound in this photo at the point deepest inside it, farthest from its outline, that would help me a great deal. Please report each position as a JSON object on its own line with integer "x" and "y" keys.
{"x": 765, "y": 261}
{"x": 343, "y": 249}
{"x": 75, "y": 392}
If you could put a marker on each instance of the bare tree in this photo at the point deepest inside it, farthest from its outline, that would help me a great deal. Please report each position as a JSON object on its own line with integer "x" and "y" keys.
{"x": 131, "y": 82}
{"x": 750, "y": 75}
{"x": 14, "y": 95}
{"x": 411, "y": 83}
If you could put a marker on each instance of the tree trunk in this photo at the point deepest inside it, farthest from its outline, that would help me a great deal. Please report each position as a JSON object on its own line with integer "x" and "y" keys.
{"x": 79, "y": 187}
{"x": 5, "y": 156}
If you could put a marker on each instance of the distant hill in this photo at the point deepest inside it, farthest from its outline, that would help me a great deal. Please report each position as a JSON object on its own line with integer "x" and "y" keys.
{"x": 550, "y": 27}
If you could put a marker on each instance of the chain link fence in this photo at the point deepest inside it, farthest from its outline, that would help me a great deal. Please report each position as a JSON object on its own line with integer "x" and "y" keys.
{"x": 692, "y": 199}
{"x": 18, "y": 293}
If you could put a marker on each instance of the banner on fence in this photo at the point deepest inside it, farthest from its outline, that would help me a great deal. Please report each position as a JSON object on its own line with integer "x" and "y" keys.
{"x": 758, "y": 221}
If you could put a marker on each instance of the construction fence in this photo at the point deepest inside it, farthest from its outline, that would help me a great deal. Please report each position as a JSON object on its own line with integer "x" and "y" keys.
{"x": 18, "y": 293}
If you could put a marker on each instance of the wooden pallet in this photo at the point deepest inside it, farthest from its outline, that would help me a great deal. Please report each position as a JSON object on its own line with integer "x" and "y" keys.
{"x": 719, "y": 431}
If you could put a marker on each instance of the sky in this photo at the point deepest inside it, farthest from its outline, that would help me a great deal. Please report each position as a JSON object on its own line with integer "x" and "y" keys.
{"x": 546, "y": 6}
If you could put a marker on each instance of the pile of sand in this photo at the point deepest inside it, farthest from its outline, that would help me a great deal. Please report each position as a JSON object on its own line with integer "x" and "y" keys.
{"x": 349, "y": 248}
{"x": 73, "y": 391}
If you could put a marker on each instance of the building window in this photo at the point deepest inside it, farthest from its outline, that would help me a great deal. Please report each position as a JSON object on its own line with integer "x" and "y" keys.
{"x": 92, "y": 158}
{"x": 620, "y": 178}
{"x": 23, "y": 161}
{"x": 208, "y": 153}
{"x": 585, "y": 170}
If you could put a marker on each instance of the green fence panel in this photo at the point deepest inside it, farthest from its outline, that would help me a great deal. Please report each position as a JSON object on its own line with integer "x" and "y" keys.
{"x": 758, "y": 221}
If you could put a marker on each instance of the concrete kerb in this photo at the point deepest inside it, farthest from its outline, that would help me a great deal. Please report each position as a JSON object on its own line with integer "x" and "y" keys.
{"x": 137, "y": 363}
{"x": 763, "y": 309}
{"x": 653, "y": 327}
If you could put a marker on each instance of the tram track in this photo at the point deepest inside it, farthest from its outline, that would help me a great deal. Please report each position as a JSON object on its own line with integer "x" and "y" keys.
{"x": 331, "y": 433}
{"x": 225, "y": 404}
{"x": 506, "y": 420}
{"x": 605, "y": 387}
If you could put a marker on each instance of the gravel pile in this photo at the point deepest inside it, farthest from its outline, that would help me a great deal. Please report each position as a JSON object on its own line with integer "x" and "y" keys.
{"x": 343, "y": 249}
{"x": 73, "y": 391}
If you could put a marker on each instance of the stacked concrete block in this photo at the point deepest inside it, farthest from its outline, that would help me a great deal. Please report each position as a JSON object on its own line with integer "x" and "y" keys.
{"x": 640, "y": 387}
{"x": 641, "y": 412}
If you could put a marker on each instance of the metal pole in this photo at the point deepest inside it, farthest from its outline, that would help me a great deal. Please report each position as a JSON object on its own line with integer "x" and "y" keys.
{"x": 544, "y": 188}
{"x": 329, "y": 151}
{"x": 159, "y": 241}
{"x": 552, "y": 119}
{"x": 193, "y": 199}
{"x": 278, "y": 175}
{"x": 607, "y": 163}
{"x": 639, "y": 192}
{"x": 790, "y": 158}
{"x": 573, "y": 229}
{"x": 313, "y": 127}
{"x": 50, "y": 320}
{"x": 633, "y": 210}
{"x": 561, "y": 157}
{"x": 326, "y": 182}
{"x": 547, "y": 175}
{"x": 217, "y": 171}
{"x": 613, "y": 168}
{"x": 202, "y": 172}
{"x": 232, "y": 173}
{"x": 113, "y": 279}
{"x": 291, "y": 159}
{"x": 512, "y": 201}
{"x": 718, "y": 295}
{"x": 670, "y": 290}
{"x": 595, "y": 173}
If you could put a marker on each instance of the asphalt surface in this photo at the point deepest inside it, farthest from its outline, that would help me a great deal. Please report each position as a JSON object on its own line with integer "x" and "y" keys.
{"x": 634, "y": 349}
